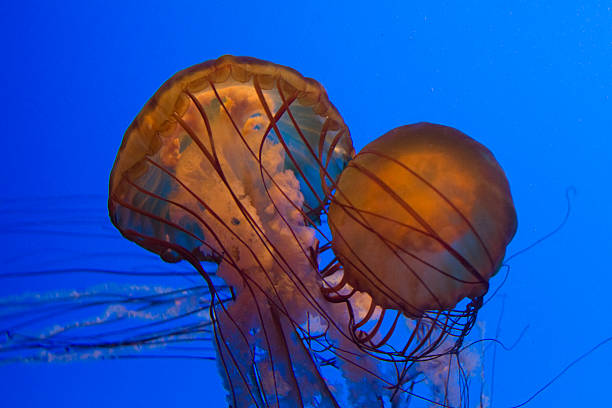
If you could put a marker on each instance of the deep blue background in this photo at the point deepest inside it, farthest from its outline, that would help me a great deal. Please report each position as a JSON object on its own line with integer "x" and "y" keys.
{"x": 531, "y": 80}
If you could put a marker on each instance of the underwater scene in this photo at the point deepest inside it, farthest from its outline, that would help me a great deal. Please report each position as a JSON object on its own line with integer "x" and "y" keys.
{"x": 321, "y": 204}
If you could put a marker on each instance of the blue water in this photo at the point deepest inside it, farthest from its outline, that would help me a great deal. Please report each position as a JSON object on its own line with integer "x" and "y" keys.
{"x": 531, "y": 80}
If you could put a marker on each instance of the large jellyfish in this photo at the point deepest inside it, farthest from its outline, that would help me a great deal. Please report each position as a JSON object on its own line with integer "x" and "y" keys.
{"x": 235, "y": 161}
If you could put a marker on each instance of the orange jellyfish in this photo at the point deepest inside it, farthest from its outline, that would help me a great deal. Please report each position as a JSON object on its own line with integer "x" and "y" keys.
{"x": 234, "y": 162}
{"x": 420, "y": 221}
{"x": 231, "y": 161}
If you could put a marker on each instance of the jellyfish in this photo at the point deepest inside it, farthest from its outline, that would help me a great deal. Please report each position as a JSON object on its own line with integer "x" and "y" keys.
{"x": 322, "y": 278}
{"x": 420, "y": 221}
{"x": 232, "y": 161}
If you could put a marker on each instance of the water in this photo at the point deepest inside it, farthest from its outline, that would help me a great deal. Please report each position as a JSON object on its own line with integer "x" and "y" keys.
{"x": 530, "y": 80}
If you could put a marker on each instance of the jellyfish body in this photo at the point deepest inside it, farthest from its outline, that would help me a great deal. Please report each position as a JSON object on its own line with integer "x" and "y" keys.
{"x": 228, "y": 123}
{"x": 421, "y": 218}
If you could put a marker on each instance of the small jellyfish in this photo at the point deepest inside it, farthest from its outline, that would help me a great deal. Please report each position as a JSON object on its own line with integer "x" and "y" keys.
{"x": 421, "y": 218}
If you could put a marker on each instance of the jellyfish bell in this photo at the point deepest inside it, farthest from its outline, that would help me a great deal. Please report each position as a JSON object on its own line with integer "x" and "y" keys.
{"x": 421, "y": 219}
{"x": 230, "y": 121}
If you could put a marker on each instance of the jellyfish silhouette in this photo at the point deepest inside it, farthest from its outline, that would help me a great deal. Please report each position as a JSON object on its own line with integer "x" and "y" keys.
{"x": 329, "y": 279}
